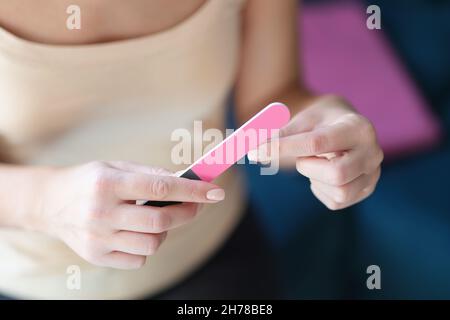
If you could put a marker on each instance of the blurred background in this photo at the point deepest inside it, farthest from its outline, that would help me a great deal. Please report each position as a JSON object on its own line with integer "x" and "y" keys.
{"x": 399, "y": 77}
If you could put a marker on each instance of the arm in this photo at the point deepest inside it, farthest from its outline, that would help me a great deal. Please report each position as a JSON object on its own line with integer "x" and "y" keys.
{"x": 269, "y": 69}
{"x": 19, "y": 195}
{"x": 91, "y": 207}
{"x": 329, "y": 142}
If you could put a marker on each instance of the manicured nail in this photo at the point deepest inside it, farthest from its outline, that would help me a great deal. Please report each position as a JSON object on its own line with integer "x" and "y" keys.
{"x": 215, "y": 194}
{"x": 252, "y": 155}
{"x": 264, "y": 162}
{"x": 255, "y": 156}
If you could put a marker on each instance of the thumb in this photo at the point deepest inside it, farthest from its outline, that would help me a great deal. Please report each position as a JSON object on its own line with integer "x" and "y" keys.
{"x": 303, "y": 121}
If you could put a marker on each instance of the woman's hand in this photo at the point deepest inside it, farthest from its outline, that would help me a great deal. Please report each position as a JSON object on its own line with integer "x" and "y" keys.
{"x": 335, "y": 147}
{"x": 92, "y": 209}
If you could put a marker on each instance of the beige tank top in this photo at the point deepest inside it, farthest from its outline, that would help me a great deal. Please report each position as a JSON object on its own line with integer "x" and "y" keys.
{"x": 66, "y": 105}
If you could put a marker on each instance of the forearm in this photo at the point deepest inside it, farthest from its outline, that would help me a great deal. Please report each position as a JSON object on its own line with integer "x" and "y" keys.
{"x": 21, "y": 189}
{"x": 269, "y": 61}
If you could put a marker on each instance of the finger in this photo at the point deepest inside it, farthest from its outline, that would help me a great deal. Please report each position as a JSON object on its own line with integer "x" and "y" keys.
{"x": 122, "y": 260}
{"x": 332, "y": 204}
{"x": 350, "y": 191}
{"x": 333, "y": 138}
{"x": 134, "y": 186}
{"x": 309, "y": 117}
{"x": 341, "y": 169}
{"x": 325, "y": 199}
{"x": 149, "y": 219}
{"x": 302, "y": 122}
{"x": 139, "y": 168}
{"x": 137, "y": 243}
{"x": 336, "y": 172}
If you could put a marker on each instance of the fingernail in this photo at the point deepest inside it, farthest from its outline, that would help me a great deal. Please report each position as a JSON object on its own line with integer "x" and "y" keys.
{"x": 256, "y": 156}
{"x": 215, "y": 194}
{"x": 252, "y": 155}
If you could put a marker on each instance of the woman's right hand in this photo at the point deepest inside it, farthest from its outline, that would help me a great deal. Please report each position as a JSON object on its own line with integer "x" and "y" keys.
{"x": 92, "y": 208}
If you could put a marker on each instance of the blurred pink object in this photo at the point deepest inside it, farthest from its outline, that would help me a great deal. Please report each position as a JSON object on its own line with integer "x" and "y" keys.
{"x": 341, "y": 55}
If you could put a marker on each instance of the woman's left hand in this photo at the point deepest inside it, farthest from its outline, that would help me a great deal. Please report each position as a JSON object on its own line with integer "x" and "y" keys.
{"x": 336, "y": 148}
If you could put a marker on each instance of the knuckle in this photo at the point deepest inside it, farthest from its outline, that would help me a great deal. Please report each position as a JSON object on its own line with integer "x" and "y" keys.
{"x": 193, "y": 192}
{"x": 354, "y": 117}
{"x": 369, "y": 190}
{"x": 342, "y": 195}
{"x": 149, "y": 222}
{"x": 120, "y": 163}
{"x": 377, "y": 176}
{"x": 140, "y": 262}
{"x": 379, "y": 156}
{"x": 191, "y": 211}
{"x": 333, "y": 206}
{"x": 100, "y": 184}
{"x": 159, "y": 188}
{"x": 374, "y": 165}
{"x": 95, "y": 165}
{"x": 367, "y": 130}
{"x": 338, "y": 175}
{"x": 317, "y": 144}
{"x": 159, "y": 221}
{"x": 99, "y": 180}
{"x": 363, "y": 126}
{"x": 152, "y": 244}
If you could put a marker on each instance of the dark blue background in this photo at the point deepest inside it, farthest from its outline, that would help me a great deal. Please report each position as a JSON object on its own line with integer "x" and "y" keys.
{"x": 404, "y": 227}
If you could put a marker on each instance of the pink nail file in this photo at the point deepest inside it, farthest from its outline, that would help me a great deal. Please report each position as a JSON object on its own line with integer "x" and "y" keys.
{"x": 232, "y": 149}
